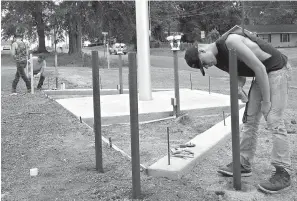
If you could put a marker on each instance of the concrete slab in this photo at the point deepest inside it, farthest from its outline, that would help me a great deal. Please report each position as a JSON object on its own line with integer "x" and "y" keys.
{"x": 88, "y": 92}
{"x": 205, "y": 144}
{"x": 118, "y": 105}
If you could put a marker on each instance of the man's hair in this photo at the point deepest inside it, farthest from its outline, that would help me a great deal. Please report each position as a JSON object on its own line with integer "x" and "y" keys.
{"x": 193, "y": 60}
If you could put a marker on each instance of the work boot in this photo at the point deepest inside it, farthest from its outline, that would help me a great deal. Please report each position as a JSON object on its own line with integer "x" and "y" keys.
{"x": 279, "y": 180}
{"x": 28, "y": 91}
{"x": 13, "y": 91}
{"x": 228, "y": 171}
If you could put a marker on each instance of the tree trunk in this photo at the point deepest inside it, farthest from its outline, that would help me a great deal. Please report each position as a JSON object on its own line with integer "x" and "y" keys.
{"x": 37, "y": 15}
{"x": 75, "y": 35}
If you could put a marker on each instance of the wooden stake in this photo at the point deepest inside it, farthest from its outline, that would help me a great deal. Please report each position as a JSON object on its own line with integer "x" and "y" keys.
{"x": 168, "y": 144}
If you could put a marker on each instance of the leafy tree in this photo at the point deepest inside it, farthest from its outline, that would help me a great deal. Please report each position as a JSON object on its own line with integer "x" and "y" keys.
{"x": 27, "y": 14}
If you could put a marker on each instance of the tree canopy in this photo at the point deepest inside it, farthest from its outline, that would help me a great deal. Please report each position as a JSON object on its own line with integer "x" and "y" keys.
{"x": 86, "y": 20}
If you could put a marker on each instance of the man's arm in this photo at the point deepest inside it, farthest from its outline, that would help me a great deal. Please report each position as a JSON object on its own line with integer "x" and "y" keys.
{"x": 43, "y": 66}
{"x": 13, "y": 48}
{"x": 249, "y": 58}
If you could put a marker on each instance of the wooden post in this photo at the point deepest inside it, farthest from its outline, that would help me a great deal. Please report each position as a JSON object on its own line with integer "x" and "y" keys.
{"x": 121, "y": 73}
{"x": 97, "y": 111}
{"x": 32, "y": 75}
{"x": 133, "y": 95}
{"x": 176, "y": 83}
{"x": 234, "y": 119}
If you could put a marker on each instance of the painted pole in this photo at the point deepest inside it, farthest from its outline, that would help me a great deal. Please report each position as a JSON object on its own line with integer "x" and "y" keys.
{"x": 176, "y": 83}
{"x": 27, "y": 66}
{"x": 234, "y": 119}
{"x": 242, "y": 13}
{"x": 121, "y": 73}
{"x": 143, "y": 50}
{"x": 209, "y": 84}
{"x": 56, "y": 69}
{"x": 134, "y": 125}
{"x": 32, "y": 75}
{"x": 107, "y": 57}
{"x": 97, "y": 111}
{"x": 191, "y": 81}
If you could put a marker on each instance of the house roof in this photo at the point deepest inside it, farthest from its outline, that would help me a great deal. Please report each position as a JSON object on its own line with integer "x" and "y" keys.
{"x": 235, "y": 28}
{"x": 281, "y": 28}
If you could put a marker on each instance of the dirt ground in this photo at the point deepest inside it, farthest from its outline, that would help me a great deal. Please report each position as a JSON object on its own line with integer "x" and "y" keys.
{"x": 153, "y": 136}
{"x": 38, "y": 133}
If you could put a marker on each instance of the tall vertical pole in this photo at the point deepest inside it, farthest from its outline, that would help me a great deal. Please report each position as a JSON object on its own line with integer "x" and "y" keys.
{"x": 242, "y": 16}
{"x": 97, "y": 111}
{"x": 176, "y": 83}
{"x": 133, "y": 95}
{"x": 234, "y": 119}
{"x": 143, "y": 50}
{"x": 121, "y": 73}
{"x": 32, "y": 74}
{"x": 104, "y": 44}
{"x": 27, "y": 66}
{"x": 56, "y": 69}
{"x": 107, "y": 47}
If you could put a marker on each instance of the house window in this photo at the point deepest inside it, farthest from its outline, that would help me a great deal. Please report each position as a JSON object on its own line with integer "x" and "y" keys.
{"x": 284, "y": 38}
{"x": 266, "y": 37}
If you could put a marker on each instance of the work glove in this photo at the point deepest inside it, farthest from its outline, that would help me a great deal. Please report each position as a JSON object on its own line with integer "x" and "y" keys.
{"x": 265, "y": 108}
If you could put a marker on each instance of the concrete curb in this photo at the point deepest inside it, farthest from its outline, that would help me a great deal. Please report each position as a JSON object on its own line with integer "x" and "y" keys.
{"x": 89, "y": 92}
{"x": 205, "y": 143}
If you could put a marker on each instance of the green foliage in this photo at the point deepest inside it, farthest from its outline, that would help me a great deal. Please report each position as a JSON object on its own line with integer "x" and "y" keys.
{"x": 212, "y": 36}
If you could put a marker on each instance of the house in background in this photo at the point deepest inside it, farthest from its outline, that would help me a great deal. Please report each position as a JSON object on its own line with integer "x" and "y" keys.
{"x": 284, "y": 35}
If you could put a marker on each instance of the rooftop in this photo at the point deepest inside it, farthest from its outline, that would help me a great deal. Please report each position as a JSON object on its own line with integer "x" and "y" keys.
{"x": 280, "y": 28}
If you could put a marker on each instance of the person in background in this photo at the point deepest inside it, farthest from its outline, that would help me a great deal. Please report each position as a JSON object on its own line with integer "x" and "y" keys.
{"x": 39, "y": 65}
{"x": 19, "y": 53}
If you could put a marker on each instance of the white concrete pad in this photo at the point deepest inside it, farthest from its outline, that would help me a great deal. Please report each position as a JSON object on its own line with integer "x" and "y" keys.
{"x": 118, "y": 105}
{"x": 205, "y": 142}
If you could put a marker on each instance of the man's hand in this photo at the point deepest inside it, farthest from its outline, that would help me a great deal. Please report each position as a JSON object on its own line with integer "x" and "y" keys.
{"x": 242, "y": 95}
{"x": 265, "y": 108}
{"x": 37, "y": 75}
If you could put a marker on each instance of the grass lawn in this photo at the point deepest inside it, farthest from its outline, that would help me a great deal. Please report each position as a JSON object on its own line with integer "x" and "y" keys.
{"x": 38, "y": 133}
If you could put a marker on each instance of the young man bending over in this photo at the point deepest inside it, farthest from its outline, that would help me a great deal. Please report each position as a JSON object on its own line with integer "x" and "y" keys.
{"x": 268, "y": 96}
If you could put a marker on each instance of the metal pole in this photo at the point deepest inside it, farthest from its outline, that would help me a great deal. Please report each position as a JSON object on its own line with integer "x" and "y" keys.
{"x": 133, "y": 95}
{"x": 234, "y": 119}
{"x": 97, "y": 111}
{"x": 176, "y": 83}
{"x": 27, "y": 70}
{"x": 168, "y": 144}
{"x": 242, "y": 20}
{"x": 104, "y": 44}
{"x": 191, "y": 81}
{"x": 121, "y": 73}
{"x": 209, "y": 84}
{"x": 32, "y": 75}
{"x": 107, "y": 57}
{"x": 56, "y": 69}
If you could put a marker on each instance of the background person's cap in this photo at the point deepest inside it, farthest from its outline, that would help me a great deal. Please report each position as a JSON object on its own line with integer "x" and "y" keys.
{"x": 192, "y": 59}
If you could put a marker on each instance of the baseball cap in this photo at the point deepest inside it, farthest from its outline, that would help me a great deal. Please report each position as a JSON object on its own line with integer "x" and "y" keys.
{"x": 193, "y": 60}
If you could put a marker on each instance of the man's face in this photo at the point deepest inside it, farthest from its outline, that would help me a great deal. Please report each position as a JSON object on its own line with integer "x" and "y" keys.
{"x": 207, "y": 58}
